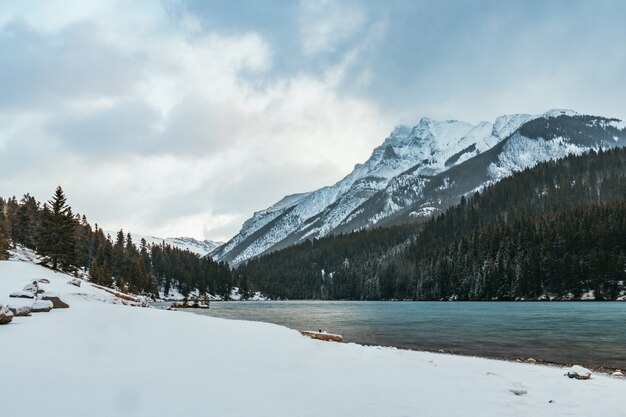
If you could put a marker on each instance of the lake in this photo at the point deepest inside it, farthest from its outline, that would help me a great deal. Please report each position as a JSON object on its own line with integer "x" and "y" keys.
{"x": 589, "y": 333}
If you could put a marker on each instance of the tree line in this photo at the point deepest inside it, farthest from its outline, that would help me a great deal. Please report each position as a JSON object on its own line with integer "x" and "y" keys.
{"x": 67, "y": 242}
{"x": 557, "y": 230}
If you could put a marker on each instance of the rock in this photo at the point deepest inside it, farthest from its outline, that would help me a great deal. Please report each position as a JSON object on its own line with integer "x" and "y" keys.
{"x": 531, "y": 360}
{"x": 6, "y": 315}
{"x": 22, "y": 294}
{"x": 76, "y": 281}
{"x": 578, "y": 372}
{"x": 23, "y": 311}
{"x": 43, "y": 281}
{"x": 33, "y": 287}
{"x": 42, "y": 306}
{"x": 617, "y": 373}
{"x": 56, "y": 301}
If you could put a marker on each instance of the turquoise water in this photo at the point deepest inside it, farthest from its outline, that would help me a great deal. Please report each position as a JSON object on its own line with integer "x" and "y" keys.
{"x": 589, "y": 333}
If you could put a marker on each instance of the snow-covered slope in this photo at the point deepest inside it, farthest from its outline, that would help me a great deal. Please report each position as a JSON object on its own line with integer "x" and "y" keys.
{"x": 256, "y": 222}
{"x": 199, "y": 247}
{"x": 98, "y": 359}
{"x": 406, "y": 177}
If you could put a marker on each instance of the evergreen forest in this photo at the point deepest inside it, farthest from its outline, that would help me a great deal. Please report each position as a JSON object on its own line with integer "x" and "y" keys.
{"x": 67, "y": 242}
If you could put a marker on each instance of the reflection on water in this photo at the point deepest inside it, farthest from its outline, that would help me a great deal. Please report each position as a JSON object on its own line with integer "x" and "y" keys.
{"x": 591, "y": 333}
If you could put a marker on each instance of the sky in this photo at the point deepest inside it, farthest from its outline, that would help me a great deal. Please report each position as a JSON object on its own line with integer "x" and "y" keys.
{"x": 182, "y": 118}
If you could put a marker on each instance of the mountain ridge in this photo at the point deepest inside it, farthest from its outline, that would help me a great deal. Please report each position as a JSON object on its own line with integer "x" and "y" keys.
{"x": 199, "y": 247}
{"x": 405, "y": 178}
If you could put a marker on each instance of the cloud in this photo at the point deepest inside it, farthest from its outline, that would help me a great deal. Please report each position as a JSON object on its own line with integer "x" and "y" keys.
{"x": 184, "y": 117}
{"x": 168, "y": 127}
{"x": 326, "y": 24}
{"x": 54, "y": 68}
{"x": 127, "y": 125}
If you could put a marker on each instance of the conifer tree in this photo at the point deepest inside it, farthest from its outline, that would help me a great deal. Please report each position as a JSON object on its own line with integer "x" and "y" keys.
{"x": 4, "y": 240}
{"x": 57, "y": 233}
{"x": 27, "y": 222}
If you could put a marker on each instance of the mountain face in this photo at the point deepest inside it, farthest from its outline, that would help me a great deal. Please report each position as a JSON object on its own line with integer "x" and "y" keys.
{"x": 419, "y": 171}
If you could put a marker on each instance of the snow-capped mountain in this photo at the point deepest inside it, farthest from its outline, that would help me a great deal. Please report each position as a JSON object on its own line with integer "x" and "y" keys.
{"x": 199, "y": 247}
{"x": 417, "y": 172}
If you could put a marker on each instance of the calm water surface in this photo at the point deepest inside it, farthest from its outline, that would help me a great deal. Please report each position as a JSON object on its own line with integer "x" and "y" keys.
{"x": 590, "y": 333}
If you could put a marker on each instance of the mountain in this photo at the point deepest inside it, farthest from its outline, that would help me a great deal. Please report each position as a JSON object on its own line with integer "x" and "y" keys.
{"x": 199, "y": 247}
{"x": 553, "y": 231}
{"x": 419, "y": 171}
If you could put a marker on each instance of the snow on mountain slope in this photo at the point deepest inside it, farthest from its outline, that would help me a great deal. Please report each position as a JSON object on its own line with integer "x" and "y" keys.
{"x": 256, "y": 222}
{"x": 521, "y": 152}
{"x": 401, "y": 150}
{"x": 552, "y": 136}
{"x": 429, "y": 143}
{"x": 409, "y": 170}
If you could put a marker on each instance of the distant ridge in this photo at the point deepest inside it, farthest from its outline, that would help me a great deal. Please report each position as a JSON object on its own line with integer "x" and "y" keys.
{"x": 199, "y": 247}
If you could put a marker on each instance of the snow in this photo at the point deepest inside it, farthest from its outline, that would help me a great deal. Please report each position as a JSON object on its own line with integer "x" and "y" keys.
{"x": 588, "y": 295}
{"x": 618, "y": 124}
{"x": 235, "y": 295}
{"x": 506, "y": 125}
{"x": 559, "y": 112}
{"x": 42, "y": 304}
{"x": 258, "y": 296}
{"x": 521, "y": 152}
{"x": 98, "y": 359}
{"x": 175, "y": 295}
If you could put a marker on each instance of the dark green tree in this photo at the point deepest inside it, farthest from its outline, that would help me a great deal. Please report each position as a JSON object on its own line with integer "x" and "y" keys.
{"x": 56, "y": 233}
{"x": 4, "y": 240}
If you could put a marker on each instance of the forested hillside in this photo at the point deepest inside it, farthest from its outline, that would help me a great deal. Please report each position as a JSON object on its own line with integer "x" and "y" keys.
{"x": 69, "y": 243}
{"x": 555, "y": 230}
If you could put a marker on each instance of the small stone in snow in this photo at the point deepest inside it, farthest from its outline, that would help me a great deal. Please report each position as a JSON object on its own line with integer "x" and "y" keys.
{"x": 56, "y": 301}
{"x": 22, "y": 294}
{"x": 6, "y": 315}
{"x": 578, "y": 372}
{"x": 33, "y": 287}
{"x": 23, "y": 311}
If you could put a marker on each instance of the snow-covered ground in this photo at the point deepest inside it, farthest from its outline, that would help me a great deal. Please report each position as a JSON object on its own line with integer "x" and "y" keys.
{"x": 101, "y": 359}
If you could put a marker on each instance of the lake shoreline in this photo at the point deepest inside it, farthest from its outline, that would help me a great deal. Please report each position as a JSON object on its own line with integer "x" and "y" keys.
{"x": 558, "y": 334}
{"x": 530, "y": 361}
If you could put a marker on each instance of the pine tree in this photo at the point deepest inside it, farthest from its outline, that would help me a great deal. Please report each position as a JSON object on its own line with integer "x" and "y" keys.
{"x": 4, "y": 240}
{"x": 57, "y": 233}
{"x": 27, "y": 222}
{"x": 244, "y": 288}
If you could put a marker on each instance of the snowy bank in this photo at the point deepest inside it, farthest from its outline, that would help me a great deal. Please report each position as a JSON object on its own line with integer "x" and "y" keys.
{"x": 100, "y": 359}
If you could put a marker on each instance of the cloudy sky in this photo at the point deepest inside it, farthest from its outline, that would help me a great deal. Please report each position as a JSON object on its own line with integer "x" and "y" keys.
{"x": 182, "y": 118}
